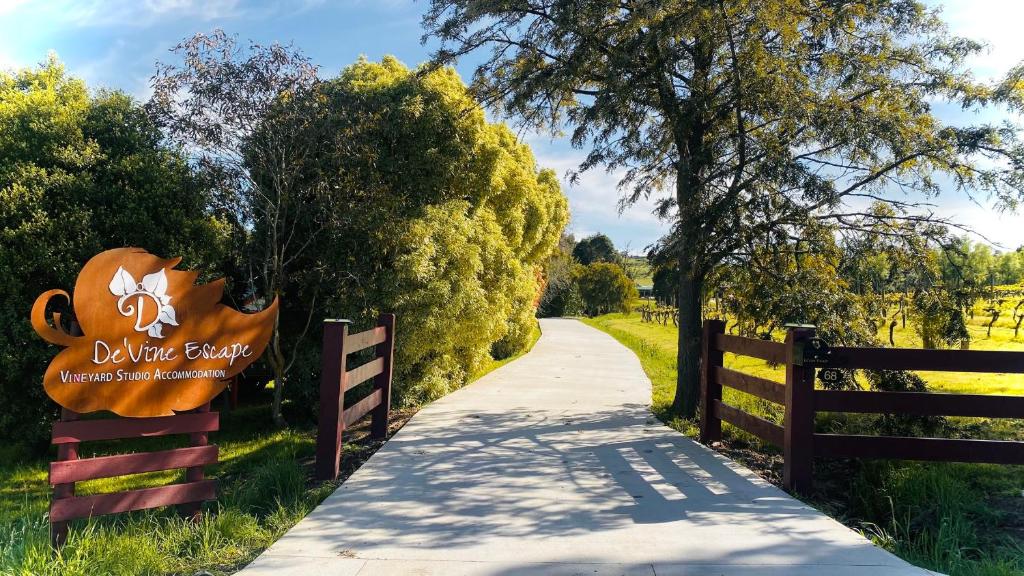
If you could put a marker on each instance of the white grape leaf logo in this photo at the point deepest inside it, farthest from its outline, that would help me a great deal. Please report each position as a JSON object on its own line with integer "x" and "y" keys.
{"x": 133, "y": 298}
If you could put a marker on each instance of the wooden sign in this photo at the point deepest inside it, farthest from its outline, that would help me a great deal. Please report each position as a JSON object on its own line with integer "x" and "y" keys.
{"x": 831, "y": 377}
{"x": 152, "y": 341}
{"x": 815, "y": 352}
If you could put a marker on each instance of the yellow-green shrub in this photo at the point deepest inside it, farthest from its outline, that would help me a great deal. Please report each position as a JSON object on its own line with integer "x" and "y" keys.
{"x": 449, "y": 223}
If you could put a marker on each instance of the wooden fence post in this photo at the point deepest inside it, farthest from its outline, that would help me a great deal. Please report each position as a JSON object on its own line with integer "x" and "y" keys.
{"x": 710, "y": 389}
{"x": 382, "y": 382}
{"x": 59, "y": 530}
{"x": 69, "y": 451}
{"x": 194, "y": 510}
{"x": 799, "y": 435}
{"x": 332, "y": 396}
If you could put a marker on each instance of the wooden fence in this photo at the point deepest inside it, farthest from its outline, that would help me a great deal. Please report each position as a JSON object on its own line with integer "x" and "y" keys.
{"x": 797, "y": 438}
{"x": 68, "y": 469}
{"x": 336, "y": 379}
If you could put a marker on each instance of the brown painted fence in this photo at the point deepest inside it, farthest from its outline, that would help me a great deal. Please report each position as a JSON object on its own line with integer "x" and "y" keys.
{"x": 801, "y": 444}
{"x": 68, "y": 469}
{"x": 336, "y": 378}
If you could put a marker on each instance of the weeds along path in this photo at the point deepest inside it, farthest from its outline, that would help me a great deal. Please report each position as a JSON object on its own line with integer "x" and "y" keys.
{"x": 553, "y": 464}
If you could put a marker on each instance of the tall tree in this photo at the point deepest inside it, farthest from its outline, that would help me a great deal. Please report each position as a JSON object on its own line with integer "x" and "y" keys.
{"x": 758, "y": 117}
{"x": 242, "y": 115}
{"x": 596, "y": 248}
{"x": 449, "y": 224}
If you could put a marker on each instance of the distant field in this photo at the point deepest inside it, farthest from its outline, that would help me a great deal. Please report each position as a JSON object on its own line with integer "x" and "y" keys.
{"x": 663, "y": 338}
{"x": 1001, "y": 339}
{"x": 639, "y": 270}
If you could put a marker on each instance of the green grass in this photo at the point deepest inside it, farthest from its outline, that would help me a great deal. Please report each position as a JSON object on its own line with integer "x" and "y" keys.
{"x": 959, "y": 519}
{"x": 264, "y": 489}
{"x": 1002, "y": 338}
{"x": 655, "y": 345}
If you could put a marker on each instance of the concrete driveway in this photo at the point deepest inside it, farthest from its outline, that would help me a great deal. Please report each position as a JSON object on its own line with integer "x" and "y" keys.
{"x": 554, "y": 465}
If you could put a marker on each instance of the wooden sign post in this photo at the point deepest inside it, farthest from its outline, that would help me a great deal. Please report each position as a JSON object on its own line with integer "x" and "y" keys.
{"x": 154, "y": 349}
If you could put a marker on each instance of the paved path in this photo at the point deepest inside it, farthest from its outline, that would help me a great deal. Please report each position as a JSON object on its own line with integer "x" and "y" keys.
{"x": 553, "y": 465}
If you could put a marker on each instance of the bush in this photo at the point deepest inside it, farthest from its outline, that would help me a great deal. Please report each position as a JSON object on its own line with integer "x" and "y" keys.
{"x": 605, "y": 288}
{"x": 938, "y": 321}
{"x": 561, "y": 295}
{"x": 78, "y": 175}
{"x": 450, "y": 223}
{"x": 562, "y": 299}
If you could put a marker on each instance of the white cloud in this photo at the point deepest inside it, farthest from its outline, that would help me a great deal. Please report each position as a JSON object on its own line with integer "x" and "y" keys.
{"x": 8, "y": 6}
{"x": 7, "y": 62}
{"x": 594, "y": 199}
{"x": 983, "y": 223}
{"x": 1004, "y": 230}
{"x": 137, "y": 14}
{"x": 995, "y": 22}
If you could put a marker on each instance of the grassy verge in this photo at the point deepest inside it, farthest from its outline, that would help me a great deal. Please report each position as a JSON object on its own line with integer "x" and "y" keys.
{"x": 959, "y": 519}
{"x": 265, "y": 487}
{"x": 264, "y": 490}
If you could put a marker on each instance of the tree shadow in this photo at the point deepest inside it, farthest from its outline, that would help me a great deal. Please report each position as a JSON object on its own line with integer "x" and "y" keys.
{"x": 552, "y": 459}
{"x": 519, "y": 475}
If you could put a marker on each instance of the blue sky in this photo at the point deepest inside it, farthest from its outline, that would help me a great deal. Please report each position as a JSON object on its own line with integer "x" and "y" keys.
{"x": 115, "y": 43}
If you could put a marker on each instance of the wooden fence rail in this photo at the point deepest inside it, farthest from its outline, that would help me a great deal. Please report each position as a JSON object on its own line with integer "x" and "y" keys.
{"x": 336, "y": 379}
{"x": 799, "y": 442}
{"x": 68, "y": 469}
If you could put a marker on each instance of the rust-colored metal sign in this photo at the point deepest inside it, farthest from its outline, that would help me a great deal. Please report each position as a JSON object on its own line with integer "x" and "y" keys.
{"x": 153, "y": 342}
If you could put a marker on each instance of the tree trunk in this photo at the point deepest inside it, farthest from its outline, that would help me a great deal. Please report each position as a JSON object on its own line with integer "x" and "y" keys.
{"x": 275, "y": 412}
{"x": 689, "y": 120}
{"x": 691, "y": 317}
{"x": 277, "y": 363}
